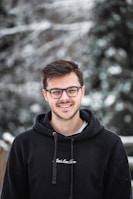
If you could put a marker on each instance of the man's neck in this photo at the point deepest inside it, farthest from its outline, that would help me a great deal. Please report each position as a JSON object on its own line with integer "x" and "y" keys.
{"x": 67, "y": 127}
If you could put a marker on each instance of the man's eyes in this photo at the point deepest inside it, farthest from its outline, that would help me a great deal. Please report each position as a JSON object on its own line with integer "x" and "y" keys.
{"x": 71, "y": 90}
{"x": 56, "y": 91}
{"x": 59, "y": 91}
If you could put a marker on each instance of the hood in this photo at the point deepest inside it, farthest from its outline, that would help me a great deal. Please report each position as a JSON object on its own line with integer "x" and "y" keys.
{"x": 42, "y": 126}
{"x": 94, "y": 127}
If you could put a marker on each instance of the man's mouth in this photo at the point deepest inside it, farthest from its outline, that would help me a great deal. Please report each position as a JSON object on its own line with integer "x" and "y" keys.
{"x": 63, "y": 105}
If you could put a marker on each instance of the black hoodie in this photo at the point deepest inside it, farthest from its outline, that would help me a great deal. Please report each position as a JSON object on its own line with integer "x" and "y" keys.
{"x": 44, "y": 164}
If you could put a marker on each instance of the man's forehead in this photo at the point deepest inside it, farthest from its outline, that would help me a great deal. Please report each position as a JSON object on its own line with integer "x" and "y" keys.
{"x": 68, "y": 80}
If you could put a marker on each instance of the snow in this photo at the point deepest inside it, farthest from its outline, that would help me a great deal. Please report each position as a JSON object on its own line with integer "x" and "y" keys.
{"x": 130, "y": 160}
{"x": 93, "y": 100}
{"x": 109, "y": 100}
{"x": 8, "y": 137}
{"x": 127, "y": 140}
{"x": 115, "y": 70}
{"x": 44, "y": 25}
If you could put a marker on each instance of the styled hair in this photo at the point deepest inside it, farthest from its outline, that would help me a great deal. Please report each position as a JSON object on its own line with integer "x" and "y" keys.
{"x": 60, "y": 68}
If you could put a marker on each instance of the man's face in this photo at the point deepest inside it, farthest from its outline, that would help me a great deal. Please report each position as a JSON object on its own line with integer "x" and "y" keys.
{"x": 65, "y": 107}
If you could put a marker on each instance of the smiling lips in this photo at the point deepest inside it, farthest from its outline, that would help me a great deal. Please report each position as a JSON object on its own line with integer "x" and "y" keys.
{"x": 65, "y": 105}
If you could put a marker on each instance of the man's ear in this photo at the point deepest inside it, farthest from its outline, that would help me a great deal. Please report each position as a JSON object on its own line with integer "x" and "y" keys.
{"x": 83, "y": 90}
{"x": 44, "y": 93}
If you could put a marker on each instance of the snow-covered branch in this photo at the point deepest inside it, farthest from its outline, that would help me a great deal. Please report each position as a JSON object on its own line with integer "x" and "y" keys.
{"x": 127, "y": 141}
{"x": 42, "y": 26}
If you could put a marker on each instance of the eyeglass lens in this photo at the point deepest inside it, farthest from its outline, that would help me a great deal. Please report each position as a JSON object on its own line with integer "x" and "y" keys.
{"x": 71, "y": 92}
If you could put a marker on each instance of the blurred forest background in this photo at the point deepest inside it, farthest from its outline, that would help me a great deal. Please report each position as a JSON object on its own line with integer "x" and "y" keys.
{"x": 96, "y": 34}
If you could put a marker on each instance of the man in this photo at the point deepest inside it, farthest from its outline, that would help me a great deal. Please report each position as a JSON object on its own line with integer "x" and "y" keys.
{"x": 67, "y": 154}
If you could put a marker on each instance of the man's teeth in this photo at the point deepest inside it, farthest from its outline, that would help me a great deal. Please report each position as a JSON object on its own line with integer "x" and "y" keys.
{"x": 65, "y": 106}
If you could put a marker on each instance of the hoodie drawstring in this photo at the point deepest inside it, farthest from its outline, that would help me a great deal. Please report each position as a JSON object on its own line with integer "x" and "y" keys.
{"x": 54, "y": 159}
{"x": 54, "y": 176}
{"x": 71, "y": 183}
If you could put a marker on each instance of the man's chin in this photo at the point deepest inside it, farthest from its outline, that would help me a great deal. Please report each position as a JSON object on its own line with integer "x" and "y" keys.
{"x": 65, "y": 115}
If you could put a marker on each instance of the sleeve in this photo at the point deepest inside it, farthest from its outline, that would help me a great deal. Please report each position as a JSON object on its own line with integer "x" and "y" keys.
{"x": 15, "y": 185}
{"x": 117, "y": 178}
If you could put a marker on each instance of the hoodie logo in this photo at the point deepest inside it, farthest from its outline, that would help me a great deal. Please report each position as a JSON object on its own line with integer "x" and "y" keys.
{"x": 64, "y": 161}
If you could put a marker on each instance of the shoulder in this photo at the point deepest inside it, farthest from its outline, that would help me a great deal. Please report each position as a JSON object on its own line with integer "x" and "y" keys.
{"x": 24, "y": 134}
{"x": 111, "y": 135}
{"x": 24, "y": 137}
{"x": 110, "y": 139}
{"x": 22, "y": 143}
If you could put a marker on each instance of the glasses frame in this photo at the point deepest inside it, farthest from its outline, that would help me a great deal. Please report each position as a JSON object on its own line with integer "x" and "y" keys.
{"x": 64, "y": 89}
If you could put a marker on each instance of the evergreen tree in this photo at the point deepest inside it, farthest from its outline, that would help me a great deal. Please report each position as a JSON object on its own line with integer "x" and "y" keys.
{"x": 110, "y": 64}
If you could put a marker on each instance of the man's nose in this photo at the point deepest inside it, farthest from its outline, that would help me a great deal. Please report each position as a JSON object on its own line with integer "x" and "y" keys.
{"x": 64, "y": 95}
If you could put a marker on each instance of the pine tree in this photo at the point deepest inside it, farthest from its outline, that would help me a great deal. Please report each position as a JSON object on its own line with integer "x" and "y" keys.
{"x": 110, "y": 63}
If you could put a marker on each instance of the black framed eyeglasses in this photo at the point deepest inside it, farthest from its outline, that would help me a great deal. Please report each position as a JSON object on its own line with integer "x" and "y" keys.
{"x": 56, "y": 93}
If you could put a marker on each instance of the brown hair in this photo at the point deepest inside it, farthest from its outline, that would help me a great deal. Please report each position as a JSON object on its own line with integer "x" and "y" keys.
{"x": 60, "y": 68}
